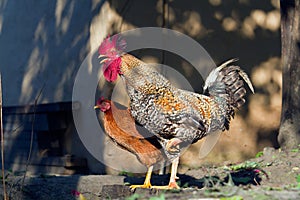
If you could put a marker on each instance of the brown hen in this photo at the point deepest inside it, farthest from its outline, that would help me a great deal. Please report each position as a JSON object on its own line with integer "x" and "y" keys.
{"x": 120, "y": 127}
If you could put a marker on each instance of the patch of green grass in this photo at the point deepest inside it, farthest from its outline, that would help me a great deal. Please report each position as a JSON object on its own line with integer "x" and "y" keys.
{"x": 259, "y": 154}
{"x": 257, "y": 196}
{"x": 247, "y": 165}
{"x": 161, "y": 197}
{"x": 125, "y": 173}
{"x": 232, "y": 198}
{"x": 244, "y": 165}
{"x": 298, "y": 181}
{"x": 133, "y": 197}
{"x": 295, "y": 150}
{"x": 268, "y": 188}
{"x": 212, "y": 192}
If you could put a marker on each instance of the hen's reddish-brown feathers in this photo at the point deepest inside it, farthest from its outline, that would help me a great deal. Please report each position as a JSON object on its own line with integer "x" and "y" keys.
{"x": 120, "y": 127}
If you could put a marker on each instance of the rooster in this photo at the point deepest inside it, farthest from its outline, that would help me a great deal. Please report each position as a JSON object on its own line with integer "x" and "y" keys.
{"x": 177, "y": 117}
{"x": 121, "y": 128}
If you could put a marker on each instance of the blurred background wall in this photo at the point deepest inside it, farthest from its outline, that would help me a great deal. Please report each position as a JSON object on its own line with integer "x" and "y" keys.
{"x": 45, "y": 42}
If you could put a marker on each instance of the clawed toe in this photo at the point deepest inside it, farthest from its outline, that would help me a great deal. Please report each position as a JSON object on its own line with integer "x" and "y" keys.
{"x": 171, "y": 186}
{"x": 133, "y": 187}
{"x": 172, "y": 145}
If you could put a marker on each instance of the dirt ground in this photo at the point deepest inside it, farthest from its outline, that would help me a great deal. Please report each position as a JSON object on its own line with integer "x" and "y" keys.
{"x": 273, "y": 174}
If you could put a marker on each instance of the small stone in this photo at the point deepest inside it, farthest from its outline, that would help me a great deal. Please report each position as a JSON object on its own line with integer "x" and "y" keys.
{"x": 268, "y": 151}
{"x": 295, "y": 169}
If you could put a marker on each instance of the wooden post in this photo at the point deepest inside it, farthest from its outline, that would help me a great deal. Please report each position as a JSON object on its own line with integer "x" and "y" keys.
{"x": 2, "y": 142}
{"x": 289, "y": 132}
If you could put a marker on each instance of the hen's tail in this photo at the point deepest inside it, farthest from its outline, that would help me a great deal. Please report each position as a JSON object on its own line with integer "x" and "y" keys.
{"x": 226, "y": 85}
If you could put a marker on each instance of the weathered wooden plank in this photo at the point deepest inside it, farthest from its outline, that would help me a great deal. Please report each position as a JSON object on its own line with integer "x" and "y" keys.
{"x": 42, "y": 108}
{"x": 25, "y": 123}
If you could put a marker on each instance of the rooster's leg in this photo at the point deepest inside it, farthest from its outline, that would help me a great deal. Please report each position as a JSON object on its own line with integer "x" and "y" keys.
{"x": 147, "y": 183}
{"x": 173, "y": 177}
{"x": 172, "y": 183}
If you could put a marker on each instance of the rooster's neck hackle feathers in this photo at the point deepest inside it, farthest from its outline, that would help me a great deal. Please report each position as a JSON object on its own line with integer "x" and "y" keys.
{"x": 129, "y": 62}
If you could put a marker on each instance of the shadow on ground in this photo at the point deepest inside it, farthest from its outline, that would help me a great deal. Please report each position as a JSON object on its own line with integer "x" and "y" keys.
{"x": 241, "y": 177}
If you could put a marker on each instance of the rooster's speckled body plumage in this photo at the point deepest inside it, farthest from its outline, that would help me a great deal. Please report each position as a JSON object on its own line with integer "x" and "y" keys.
{"x": 169, "y": 112}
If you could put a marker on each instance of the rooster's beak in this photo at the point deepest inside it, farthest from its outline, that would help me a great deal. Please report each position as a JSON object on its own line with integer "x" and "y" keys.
{"x": 101, "y": 56}
{"x": 96, "y": 107}
{"x": 104, "y": 60}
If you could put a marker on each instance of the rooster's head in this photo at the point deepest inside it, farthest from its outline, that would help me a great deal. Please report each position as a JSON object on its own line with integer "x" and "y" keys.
{"x": 102, "y": 104}
{"x": 110, "y": 51}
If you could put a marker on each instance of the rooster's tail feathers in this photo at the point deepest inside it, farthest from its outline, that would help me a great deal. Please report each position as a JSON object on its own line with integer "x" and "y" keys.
{"x": 227, "y": 79}
{"x": 226, "y": 85}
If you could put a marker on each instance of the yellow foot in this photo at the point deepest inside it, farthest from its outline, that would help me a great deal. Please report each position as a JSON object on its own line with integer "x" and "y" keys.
{"x": 133, "y": 187}
{"x": 172, "y": 185}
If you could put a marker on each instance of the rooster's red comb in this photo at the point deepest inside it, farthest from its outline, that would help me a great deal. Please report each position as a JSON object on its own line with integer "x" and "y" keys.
{"x": 115, "y": 42}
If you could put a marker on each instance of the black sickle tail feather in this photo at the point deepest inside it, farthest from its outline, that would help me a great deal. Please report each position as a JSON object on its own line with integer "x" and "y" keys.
{"x": 226, "y": 84}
